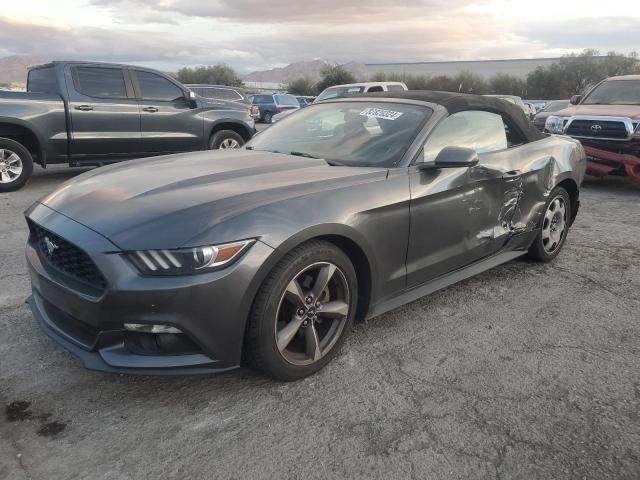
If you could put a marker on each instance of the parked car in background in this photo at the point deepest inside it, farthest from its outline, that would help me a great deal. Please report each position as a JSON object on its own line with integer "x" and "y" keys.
{"x": 266, "y": 255}
{"x": 85, "y": 113}
{"x": 553, "y": 106}
{"x": 537, "y": 104}
{"x": 273, "y": 103}
{"x": 531, "y": 110}
{"x": 354, "y": 88}
{"x": 607, "y": 122}
{"x": 305, "y": 101}
{"x": 528, "y": 110}
{"x": 226, "y": 93}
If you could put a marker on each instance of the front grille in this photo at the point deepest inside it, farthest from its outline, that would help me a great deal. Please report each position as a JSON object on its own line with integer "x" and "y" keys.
{"x": 598, "y": 129}
{"x": 66, "y": 257}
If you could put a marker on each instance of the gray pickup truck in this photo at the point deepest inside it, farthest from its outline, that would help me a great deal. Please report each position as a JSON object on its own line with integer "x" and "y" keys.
{"x": 85, "y": 113}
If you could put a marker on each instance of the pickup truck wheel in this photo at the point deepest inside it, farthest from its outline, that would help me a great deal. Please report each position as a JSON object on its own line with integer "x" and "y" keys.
{"x": 267, "y": 117}
{"x": 16, "y": 165}
{"x": 225, "y": 139}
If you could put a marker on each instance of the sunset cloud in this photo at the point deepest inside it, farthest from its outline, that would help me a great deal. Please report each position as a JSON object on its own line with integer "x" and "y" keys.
{"x": 253, "y": 35}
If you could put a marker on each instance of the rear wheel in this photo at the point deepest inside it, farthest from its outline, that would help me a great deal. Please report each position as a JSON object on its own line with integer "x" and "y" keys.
{"x": 267, "y": 117}
{"x": 225, "y": 139}
{"x": 303, "y": 312}
{"x": 555, "y": 226}
{"x": 16, "y": 165}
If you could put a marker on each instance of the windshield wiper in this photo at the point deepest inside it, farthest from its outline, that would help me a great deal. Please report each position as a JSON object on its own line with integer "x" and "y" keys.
{"x": 303, "y": 154}
{"x": 334, "y": 163}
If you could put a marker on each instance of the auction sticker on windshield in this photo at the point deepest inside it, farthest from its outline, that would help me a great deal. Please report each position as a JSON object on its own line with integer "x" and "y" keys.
{"x": 380, "y": 113}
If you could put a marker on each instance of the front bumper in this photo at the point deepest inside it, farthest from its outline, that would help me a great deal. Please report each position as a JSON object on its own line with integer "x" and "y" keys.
{"x": 210, "y": 309}
{"x": 602, "y": 162}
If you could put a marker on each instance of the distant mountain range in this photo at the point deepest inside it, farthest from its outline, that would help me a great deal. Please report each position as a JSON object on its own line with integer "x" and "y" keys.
{"x": 13, "y": 69}
{"x": 309, "y": 69}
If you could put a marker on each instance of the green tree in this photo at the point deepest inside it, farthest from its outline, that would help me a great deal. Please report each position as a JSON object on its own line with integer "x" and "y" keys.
{"x": 616, "y": 64}
{"x": 379, "y": 77}
{"x": 219, "y": 74}
{"x": 443, "y": 83}
{"x": 581, "y": 71}
{"x": 576, "y": 73}
{"x": 546, "y": 83}
{"x": 469, "y": 82}
{"x": 333, "y": 75}
{"x": 507, "y": 85}
{"x": 301, "y": 86}
{"x": 413, "y": 82}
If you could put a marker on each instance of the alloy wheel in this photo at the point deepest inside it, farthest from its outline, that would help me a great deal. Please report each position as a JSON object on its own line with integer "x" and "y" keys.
{"x": 229, "y": 143}
{"x": 554, "y": 226}
{"x": 312, "y": 313}
{"x": 10, "y": 166}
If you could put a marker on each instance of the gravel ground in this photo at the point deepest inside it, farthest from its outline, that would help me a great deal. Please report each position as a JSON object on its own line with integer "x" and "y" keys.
{"x": 526, "y": 371}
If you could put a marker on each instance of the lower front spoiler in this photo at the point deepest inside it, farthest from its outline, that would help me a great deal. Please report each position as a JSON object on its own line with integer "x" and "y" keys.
{"x": 602, "y": 162}
{"x": 117, "y": 359}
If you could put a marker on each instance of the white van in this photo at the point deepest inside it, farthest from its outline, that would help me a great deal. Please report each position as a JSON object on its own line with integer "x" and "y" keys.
{"x": 351, "y": 88}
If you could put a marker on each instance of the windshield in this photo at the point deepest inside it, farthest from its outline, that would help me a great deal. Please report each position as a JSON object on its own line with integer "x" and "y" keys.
{"x": 615, "y": 92}
{"x": 335, "y": 92}
{"x": 347, "y": 133}
{"x": 556, "y": 106}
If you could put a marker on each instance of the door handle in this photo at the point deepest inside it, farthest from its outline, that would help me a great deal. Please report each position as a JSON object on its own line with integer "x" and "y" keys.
{"x": 84, "y": 108}
{"x": 150, "y": 109}
{"x": 511, "y": 175}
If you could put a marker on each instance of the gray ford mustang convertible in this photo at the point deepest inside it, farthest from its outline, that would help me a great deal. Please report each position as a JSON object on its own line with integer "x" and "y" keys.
{"x": 201, "y": 262}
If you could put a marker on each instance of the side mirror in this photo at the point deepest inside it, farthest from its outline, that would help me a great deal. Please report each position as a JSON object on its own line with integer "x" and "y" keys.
{"x": 190, "y": 96}
{"x": 575, "y": 100}
{"x": 455, "y": 157}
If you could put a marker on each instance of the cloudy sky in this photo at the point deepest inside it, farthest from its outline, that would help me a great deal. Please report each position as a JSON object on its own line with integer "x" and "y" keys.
{"x": 251, "y": 35}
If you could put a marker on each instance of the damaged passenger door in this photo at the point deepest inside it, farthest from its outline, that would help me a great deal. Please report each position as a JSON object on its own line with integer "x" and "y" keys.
{"x": 454, "y": 210}
{"x": 507, "y": 181}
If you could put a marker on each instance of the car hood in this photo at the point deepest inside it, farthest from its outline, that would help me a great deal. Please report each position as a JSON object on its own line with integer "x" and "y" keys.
{"x": 629, "y": 111}
{"x": 163, "y": 202}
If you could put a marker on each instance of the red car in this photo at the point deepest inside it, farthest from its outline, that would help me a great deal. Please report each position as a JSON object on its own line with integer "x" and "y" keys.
{"x": 607, "y": 122}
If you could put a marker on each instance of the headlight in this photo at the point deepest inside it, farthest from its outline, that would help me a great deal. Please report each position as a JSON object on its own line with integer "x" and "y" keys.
{"x": 186, "y": 261}
{"x": 554, "y": 124}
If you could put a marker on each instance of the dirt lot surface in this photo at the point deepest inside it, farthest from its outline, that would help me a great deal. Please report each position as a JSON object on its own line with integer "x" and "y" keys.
{"x": 526, "y": 371}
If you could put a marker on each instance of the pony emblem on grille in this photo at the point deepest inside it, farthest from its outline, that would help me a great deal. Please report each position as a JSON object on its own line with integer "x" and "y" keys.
{"x": 51, "y": 247}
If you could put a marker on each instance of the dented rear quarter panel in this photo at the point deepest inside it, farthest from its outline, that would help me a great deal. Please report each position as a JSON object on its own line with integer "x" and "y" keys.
{"x": 542, "y": 165}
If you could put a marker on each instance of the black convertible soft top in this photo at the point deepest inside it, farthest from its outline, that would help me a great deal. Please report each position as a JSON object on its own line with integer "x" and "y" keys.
{"x": 457, "y": 102}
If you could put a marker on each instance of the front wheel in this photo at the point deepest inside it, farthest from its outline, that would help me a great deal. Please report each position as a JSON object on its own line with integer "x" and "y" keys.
{"x": 555, "y": 226}
{"x": 302, "y": 312}
{"x": 16, "y": 165}
{"x": 225, "y": 139}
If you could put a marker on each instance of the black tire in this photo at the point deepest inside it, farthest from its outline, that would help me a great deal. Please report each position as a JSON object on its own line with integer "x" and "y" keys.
{"x": 267, "y": 117}
{"x": 220, "y": 138}
{"x": 261, "y": 350}
{"x": 26, "y": 161}
{"x": 539, "y": 250}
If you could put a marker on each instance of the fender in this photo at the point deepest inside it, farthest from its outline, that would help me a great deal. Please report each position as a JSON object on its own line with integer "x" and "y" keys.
{"x": 213, "y": 125}
{"x": 22, "y": 124}
{"x": 333, "y": 230}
